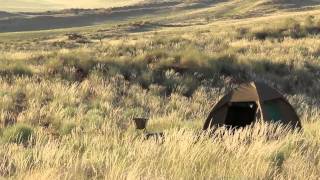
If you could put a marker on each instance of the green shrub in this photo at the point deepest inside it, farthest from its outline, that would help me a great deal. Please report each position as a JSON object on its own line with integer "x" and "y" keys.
{"x": 192, "y": 58}
{"x": 94, "y": 117}
{"x": 226, "y": 64}
{"x": 21, "y": 70}
{"x": 266, "y": 33}
{"x": 66, "y": 128}
{"x": 171, "y": 79}
{"x": 157, "y": 90}
{"x": 19, "y": 133}
{"x": 145, "y": 79}
{"x": 155, "y": 56}
{"x": 279, "y": 159}
{"x": 54, "y": 66}
{"x": 188, "y": 85}
{"x": 15, "y": 69}
{"x": 289, "y": 28}
{"x": 71, "y": 66}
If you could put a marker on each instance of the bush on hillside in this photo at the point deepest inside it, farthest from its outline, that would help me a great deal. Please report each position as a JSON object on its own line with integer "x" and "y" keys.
{"x": 66, "y": 128}
{"x": 18, "y": 133}
{"x": 15, "y": 69}
{"x": 72, "y": 66}
{"x": 289, "y": 28}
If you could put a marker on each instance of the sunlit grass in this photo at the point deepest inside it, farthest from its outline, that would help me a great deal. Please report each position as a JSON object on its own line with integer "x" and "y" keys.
{"x": 66, "y": 110}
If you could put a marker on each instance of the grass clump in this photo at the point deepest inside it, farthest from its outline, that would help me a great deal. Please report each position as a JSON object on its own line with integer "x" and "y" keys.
{"x": 66, "y": 128}
{"x": 15, "y": 69}
{"x": 73, "y": 66}
{"x": 18, "y": 133}
{"x": 289, "y": 28}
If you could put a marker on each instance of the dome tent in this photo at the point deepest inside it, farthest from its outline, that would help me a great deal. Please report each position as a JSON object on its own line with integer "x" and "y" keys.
{"x": 250, "y": 102}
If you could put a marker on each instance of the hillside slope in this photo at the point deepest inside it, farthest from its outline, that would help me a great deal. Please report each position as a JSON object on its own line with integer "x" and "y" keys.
{"x": 47, "y": 5}
{"x": 164, "y": 11}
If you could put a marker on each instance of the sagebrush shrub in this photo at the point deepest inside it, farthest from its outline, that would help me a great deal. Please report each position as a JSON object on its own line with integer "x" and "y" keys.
{"x": 18, "y": 133}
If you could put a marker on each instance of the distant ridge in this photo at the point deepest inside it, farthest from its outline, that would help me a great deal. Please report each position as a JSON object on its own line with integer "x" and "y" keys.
{"x": 165, "y": 11}
{"x": 4, "y": 14}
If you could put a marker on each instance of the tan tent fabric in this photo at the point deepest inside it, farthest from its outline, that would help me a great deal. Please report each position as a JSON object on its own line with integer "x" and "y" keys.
{"x": 245, "y": 93}
{"x": 249, "y": 102}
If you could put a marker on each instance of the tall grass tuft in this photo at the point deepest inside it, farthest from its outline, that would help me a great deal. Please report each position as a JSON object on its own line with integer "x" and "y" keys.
{"x": 18, "y": 133}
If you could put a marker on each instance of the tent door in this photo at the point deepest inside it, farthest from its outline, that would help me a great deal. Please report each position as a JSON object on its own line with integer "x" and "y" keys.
{"x": 241, "y": 114}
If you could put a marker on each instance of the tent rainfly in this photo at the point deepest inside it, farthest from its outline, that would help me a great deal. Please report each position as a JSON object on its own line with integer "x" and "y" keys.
{"x": 250, "y": 102}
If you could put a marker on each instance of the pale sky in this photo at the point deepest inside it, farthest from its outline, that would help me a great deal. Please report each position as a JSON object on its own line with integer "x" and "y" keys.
{"x": 42, "y": 5}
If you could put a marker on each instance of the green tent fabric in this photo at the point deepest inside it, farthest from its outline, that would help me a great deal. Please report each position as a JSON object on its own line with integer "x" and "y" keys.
{"x": 273, "y": 110}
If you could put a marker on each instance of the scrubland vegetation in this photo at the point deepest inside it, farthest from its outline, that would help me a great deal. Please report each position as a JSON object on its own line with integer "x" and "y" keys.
{"x": 66, "y": 104}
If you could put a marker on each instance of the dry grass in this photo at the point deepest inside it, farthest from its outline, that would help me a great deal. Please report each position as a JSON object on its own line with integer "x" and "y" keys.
{"x": 111, "y": 153}
{"x": 65, "y": 110}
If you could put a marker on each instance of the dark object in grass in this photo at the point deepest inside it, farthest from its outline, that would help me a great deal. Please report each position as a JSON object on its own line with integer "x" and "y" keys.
{"x": 18, "y": 133}
{"x": 140, "y": 123}
{"x": 81, "y": 74}
{"x": 74, "y": 36}
{"x": 156, "y": 136}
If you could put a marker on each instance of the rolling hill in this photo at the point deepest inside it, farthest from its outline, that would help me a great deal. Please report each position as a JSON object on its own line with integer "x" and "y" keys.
{"x": 172, "y": 11}
{"x": 47, "y": 5}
